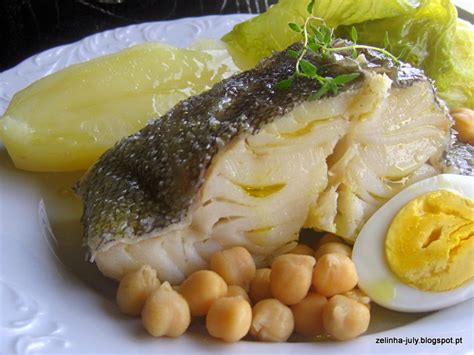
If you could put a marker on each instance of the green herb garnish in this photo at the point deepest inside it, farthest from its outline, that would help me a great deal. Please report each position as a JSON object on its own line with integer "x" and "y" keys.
{"x": 320, "y": 39}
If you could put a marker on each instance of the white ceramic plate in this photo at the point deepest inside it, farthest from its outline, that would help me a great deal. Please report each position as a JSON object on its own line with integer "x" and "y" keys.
{"x": 53, "y": 302}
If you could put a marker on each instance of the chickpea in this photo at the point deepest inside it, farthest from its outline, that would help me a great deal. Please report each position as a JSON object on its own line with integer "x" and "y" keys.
{"x": 134, "y": 289}
{"x": 200, "y": 289}
{"x": 229, "y": 318}
{"x": 328, "y": 238}
{"x": 235, "y": 291}
{"x": 260, "y": 285}
{"x": 271, "y": 321}
{"x": 302, "y": 249}
{"x": 464, "y": 124}
{"x": 166, "y": 312}
{"x": 235, "y": 265}
{"x": 290, "y": 279}
{"x": 359, "y": 296}
{"x": 308, "y": 315}
{"x": 345, "y": 318}
{"x": 333, "y": 247}
{"x": 333, "y": 274}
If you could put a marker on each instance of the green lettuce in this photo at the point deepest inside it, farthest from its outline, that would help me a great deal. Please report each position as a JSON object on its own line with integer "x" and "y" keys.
{"x": 456, "y": 85}
{"x": 426, "y": 34}
{"x": 430, "y": 38}
{"x": 258, "y": 37}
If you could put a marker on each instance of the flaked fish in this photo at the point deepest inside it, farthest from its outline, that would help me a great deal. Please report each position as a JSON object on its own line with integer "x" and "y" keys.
{"x": 248, "y": 164}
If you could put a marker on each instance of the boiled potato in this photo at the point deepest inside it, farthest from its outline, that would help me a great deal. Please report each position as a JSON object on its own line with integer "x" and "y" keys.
{"x": 65, "y": 121}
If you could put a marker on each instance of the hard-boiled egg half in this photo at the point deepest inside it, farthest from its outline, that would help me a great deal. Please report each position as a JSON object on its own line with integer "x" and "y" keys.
{"x": 416, "y": 253}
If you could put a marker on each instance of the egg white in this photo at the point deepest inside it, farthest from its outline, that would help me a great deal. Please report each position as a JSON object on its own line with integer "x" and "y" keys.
{"x": 369, "y": 252}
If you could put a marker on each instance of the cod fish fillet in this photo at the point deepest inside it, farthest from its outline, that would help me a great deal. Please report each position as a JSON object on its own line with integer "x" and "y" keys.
{"x": 251, "y": 165}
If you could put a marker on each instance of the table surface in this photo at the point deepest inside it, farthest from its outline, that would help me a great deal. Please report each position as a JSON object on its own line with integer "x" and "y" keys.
{"x": 31, "y": 26}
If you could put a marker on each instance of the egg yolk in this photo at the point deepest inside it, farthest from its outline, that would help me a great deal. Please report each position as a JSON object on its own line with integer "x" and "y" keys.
{"x": 430, "y": 242}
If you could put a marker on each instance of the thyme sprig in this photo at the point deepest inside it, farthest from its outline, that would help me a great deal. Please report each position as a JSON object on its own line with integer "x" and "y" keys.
{"x": 320, "y": 39}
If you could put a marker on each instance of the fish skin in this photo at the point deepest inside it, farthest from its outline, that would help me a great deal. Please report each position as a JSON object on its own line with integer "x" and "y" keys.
{"x": 459, "y": 157}
{"x": 149, "y": 180}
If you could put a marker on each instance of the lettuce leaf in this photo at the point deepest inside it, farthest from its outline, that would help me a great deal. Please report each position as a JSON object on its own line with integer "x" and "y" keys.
{"x": 456, "y": 85}
{"x": 258, "y": 37}
{"x": 430, "y": 38}
{"x": 426, "y": 34}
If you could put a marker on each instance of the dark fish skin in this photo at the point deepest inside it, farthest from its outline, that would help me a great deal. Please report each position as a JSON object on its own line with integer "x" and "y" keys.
{"x": 149, "y": 180}
{"x": 459, "y": 157}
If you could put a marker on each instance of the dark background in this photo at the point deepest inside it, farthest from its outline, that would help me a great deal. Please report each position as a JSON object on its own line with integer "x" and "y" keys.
{"x": 31, "y": 26}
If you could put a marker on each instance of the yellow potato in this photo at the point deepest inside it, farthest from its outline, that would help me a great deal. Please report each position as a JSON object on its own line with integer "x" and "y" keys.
{"x": 65, "y": 121}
